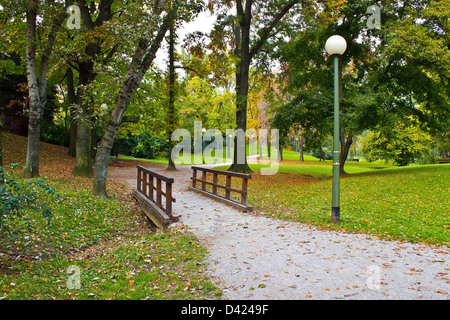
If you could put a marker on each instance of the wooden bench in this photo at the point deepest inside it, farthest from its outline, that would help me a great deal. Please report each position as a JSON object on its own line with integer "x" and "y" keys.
{"x": 116, "y": 160}
{"x": 150, "y": 197}
{"x": 226, "y": 198}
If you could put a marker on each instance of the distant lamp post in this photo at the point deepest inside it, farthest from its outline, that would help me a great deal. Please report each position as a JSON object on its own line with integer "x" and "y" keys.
{"x": 336, "y": 46}
{"x": 203, "y": 147}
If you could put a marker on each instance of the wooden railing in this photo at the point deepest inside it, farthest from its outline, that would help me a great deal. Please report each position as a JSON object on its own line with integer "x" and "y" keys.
{"x": 150, "y": 196}
{"x": 226, "y": 198}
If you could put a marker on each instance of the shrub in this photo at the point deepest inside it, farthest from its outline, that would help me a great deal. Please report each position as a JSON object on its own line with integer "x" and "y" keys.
{"x": 148, "y": 147}
{"x": 18, "y": 197}
{"x": 54, "y": 133}
{"x": 140, "y": 146}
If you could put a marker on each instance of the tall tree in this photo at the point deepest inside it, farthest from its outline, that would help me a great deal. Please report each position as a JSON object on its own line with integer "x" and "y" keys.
{"x": 389, "y": 72}
{"x": 37, "y": 85}
{"x": 148, "y": 44}
{"x": 86, "y": 76}
{"x": 259, "y": 18}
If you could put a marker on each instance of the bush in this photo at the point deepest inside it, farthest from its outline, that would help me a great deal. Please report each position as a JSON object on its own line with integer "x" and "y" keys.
{"x": 148, "y": 147}
{"x": 140, "y": 146}
{"x": 401, "y": 143}
{"x": 18, "y": 197}
{"x": 54, "y": 134}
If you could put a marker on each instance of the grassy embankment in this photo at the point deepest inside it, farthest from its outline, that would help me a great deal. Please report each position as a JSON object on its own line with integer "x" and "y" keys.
{"x": 118, "y": 255}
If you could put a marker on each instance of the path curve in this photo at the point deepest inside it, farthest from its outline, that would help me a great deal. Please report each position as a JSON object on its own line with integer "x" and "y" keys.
{"x": 256, "y": 257}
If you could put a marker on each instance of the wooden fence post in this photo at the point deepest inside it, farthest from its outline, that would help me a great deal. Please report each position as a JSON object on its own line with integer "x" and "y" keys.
{"x": 228, "y": 185}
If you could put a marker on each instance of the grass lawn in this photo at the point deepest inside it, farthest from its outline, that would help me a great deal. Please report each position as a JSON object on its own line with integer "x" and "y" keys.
{"x": 118, "y": 254}
{"x": 409, "y": 203}
{"x": 196, "y": 159}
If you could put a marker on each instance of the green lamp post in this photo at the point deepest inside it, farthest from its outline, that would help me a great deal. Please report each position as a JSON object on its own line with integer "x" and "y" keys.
{"x": 336, "y": 46}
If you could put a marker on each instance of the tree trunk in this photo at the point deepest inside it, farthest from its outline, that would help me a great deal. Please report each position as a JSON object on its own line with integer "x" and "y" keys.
{"x": 171, "y": 111}
{"x": 244, "y": 56}
{"x": 94, "y": 141}
{"x": 73, "y": 138}
{"x": 321, "y": 154}
{"x": 345, "y": 148}
{"x": 302, "y": 159}
{"x": 86, "y": 75}
{"x": 37, "y": 88}
{"x": 242, "y": 77}
{"x": 83, "y": 164}
{"x": 73, "y": 124}
{"x": 2, "y": 180}
{"x": 142, "y": 59}
{"x": 35, "y": 105}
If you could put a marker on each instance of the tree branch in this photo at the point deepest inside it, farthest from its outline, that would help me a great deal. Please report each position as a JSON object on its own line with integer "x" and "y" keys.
{"x": 110, "y": 54}
{"x": 85, "y": 15}
{"x": 267, "y": 30}
{"x": 42, "y": 81}
{"x": 239, "y": 8}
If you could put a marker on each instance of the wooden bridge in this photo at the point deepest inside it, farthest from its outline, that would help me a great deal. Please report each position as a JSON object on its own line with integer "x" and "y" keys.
{"x": 150, "y": 196}
{"x": 156, "y": 200}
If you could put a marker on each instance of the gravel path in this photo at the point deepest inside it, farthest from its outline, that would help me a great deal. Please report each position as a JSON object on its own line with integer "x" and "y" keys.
{"x": 255, "y": 257}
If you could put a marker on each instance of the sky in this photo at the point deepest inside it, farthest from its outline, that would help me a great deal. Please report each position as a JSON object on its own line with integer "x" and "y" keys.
{"x": 204, "y": 23}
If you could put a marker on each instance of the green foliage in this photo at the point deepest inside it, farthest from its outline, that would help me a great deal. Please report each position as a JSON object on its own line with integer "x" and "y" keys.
{"x": 78, "y": 220}
{"x": 54, "y": 133}
{"x": 399, "y": 71}
{"x": 307, "y": 110}
{"x": 400, "y": 143}
{"x": 148, "y": 147}
{"x": 143, "y": 145}
{"x": 118, "y": 257}
{"x": 17, "y": 198}
{"x": 151, "y": 267}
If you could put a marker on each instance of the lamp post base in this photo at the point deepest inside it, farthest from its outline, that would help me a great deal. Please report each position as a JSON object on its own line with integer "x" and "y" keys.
{"x": 336, "y": 215}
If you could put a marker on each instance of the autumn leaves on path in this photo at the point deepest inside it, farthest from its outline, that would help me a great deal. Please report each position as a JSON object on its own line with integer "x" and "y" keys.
{"x": 255, "y": 257}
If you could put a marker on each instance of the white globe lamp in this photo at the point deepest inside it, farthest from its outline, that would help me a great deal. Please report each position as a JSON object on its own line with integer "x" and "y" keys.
{"x": 336, "y": 45}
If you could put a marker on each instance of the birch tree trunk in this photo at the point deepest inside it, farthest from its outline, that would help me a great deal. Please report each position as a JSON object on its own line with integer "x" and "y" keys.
{"x": 35, "y": 104}
{"x": 37, "y": 89}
